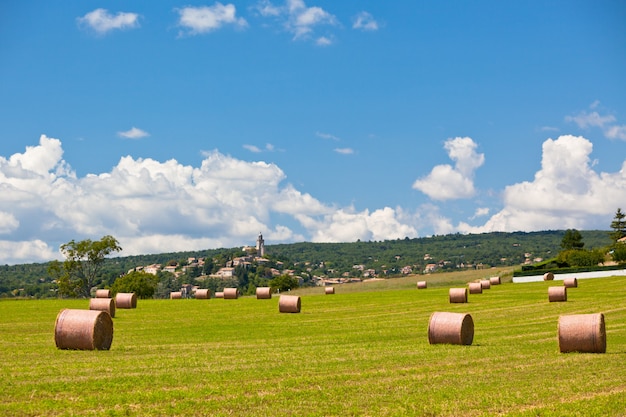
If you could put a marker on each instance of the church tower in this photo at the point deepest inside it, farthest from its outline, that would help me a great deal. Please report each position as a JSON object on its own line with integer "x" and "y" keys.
{"x": 260, "y": 246}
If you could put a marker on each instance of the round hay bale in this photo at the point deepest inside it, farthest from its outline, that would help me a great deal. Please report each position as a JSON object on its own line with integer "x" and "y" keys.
{"x": 83, "y": 329}
{"x": 458, "y": 295}
{"x": 329, "y": 290}
{"x": 203, "y": 294}
{"x": 582, "y": 333}
{"x": 263, "y": 293}
{"x": 289, "y": 304}
{"x": 103, "y": 293}
{"x": 451, "y": 328}
{"x": 103, "y": 304}
{"x": 231, "y": 293}
{"x": 126, "y": 300}
{"x": 421, "y": 285}
{"x": 548, "y": 276}
{"x": 475, "y": 288}
{"x": 570, "y": 283}
{"x": 557, "y": 294}
{"x": 495, "y": 280}
{"x": 485, "y": 283}
{"x": 219, "y": 294}
{"x": 176, "y": 295}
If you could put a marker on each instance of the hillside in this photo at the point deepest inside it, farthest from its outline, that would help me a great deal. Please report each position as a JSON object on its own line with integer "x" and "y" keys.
{"x": 387, "y": 258}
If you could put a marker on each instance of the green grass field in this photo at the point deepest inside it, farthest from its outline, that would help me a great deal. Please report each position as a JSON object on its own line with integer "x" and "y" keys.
{"x": 361, "y": 352}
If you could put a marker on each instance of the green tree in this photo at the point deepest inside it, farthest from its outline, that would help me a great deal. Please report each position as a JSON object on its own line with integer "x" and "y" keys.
{"x": 619, "y": 253}
{"x": 283, "y": 283}
{"x": 141, "y": 283}
{"x": 572, "y": 240}
{"x": 579, "y": 257}
{"x": 82, "y": 266}
{"x": 618, "y": 225}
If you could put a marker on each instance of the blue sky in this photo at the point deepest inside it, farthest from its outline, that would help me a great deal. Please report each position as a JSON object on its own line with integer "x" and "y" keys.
{"x": 184, "y": 126}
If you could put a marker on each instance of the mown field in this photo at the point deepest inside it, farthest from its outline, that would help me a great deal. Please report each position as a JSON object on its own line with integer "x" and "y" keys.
{"x": 363, "y": 351}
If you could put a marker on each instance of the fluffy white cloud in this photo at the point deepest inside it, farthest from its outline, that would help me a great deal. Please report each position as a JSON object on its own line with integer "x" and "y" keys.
{"x": 204, "y": 19}
{"x": 298, "y": 19}
{"x": 446, "y": 182}
{"x": 133, "y": 133}
{"x": 152, "y": 206}
{"x": 365, "y": 21}
{"x": 344, "y": 151}
{"x": 101, "y": 21}
{"x": 565, "y": 193}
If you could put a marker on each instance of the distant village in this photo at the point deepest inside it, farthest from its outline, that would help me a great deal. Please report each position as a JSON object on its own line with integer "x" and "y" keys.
{"x": 255, "y": 255}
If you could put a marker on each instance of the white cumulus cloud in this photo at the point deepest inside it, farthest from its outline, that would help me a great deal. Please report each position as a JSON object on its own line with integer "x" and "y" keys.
{"x": 101, "y": 21}
{"x": 446, "y": 182}
{"x": 365, "y": 21}
{"x": 299, "y": 19}
{"x": 204, "y": 19}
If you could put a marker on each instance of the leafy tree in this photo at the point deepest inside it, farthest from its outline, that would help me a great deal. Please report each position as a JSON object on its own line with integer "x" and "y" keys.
{"x": 618, "y": 225}
{"x": 141, "y": 283}
{"x": 579, "y": 257}
{"x": 572, "y": 240}
{"x": 619, "y": 253}
{"x": 283, "y": 283}
{"x": 82, "y": 266}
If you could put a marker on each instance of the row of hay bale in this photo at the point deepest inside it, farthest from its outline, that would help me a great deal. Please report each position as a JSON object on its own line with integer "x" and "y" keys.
{"x": 262, "y": 293}
{"x": 576, "y": 333}
{"x": 91, "y": 329}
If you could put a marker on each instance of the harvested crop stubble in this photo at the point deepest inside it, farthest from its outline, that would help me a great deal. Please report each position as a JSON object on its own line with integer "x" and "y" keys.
{"x": 421, "y": 285}
{"x": 570, "y": 283}
{"x": 103, "y": 304}
{"x": 289, "y": 304}
{"x": 557, "y": 294}
{"x": 582, "y": 333}
{"x": 451, "y": 328}
{"x": 231, "y": 293}
{"x": 263, "y": 293}
{"x": 126, "y": 300}
{"x": 329, "y": 290}
{"x": 203, "y": 294}
{"x": 103, "y": 293}
{"x": 83, "y": 329}
{"x": 458, "y": 295}
{"x": 475, "y": 288}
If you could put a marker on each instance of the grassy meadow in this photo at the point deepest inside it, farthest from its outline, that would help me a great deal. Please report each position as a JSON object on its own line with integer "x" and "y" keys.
{"x": 363, "y": 351}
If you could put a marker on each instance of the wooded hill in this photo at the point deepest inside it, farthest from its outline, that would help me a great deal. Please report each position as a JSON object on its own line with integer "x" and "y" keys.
{"x": 387, "y": 258}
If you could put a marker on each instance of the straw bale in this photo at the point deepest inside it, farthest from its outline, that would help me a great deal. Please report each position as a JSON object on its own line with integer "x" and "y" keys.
{"x": 495, "y": 280}
{"x": 203, "y": 294}
{"x": 103, "y": 304}
{"x": 83, "y": 329}
{"x": 557, "y": 294}
{"x": 475, "y": 288}
{"x": 458, "y": 295}
{"x": 421, "y": 285}
{"x": 176, "y": 295}
{"x": 289, "y": 304}
{"x": 548, "y": 276}
{"x": 103, "y": 293}
{"x": 570, "y": 283}
{"x": 263, "y": 293}
{"x": 219, "y": 294}
{"x": 231, "y": 293}
{"x": 329, "y": 290}
{"x": 485, "y": 283}
{"x": 451, "y": 328}
{"x": 582, "y": 333}
{"x": 126, "y": 300}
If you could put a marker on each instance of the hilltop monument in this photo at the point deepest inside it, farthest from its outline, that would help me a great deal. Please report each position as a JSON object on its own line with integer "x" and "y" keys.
{"x": 260, "y": 246}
